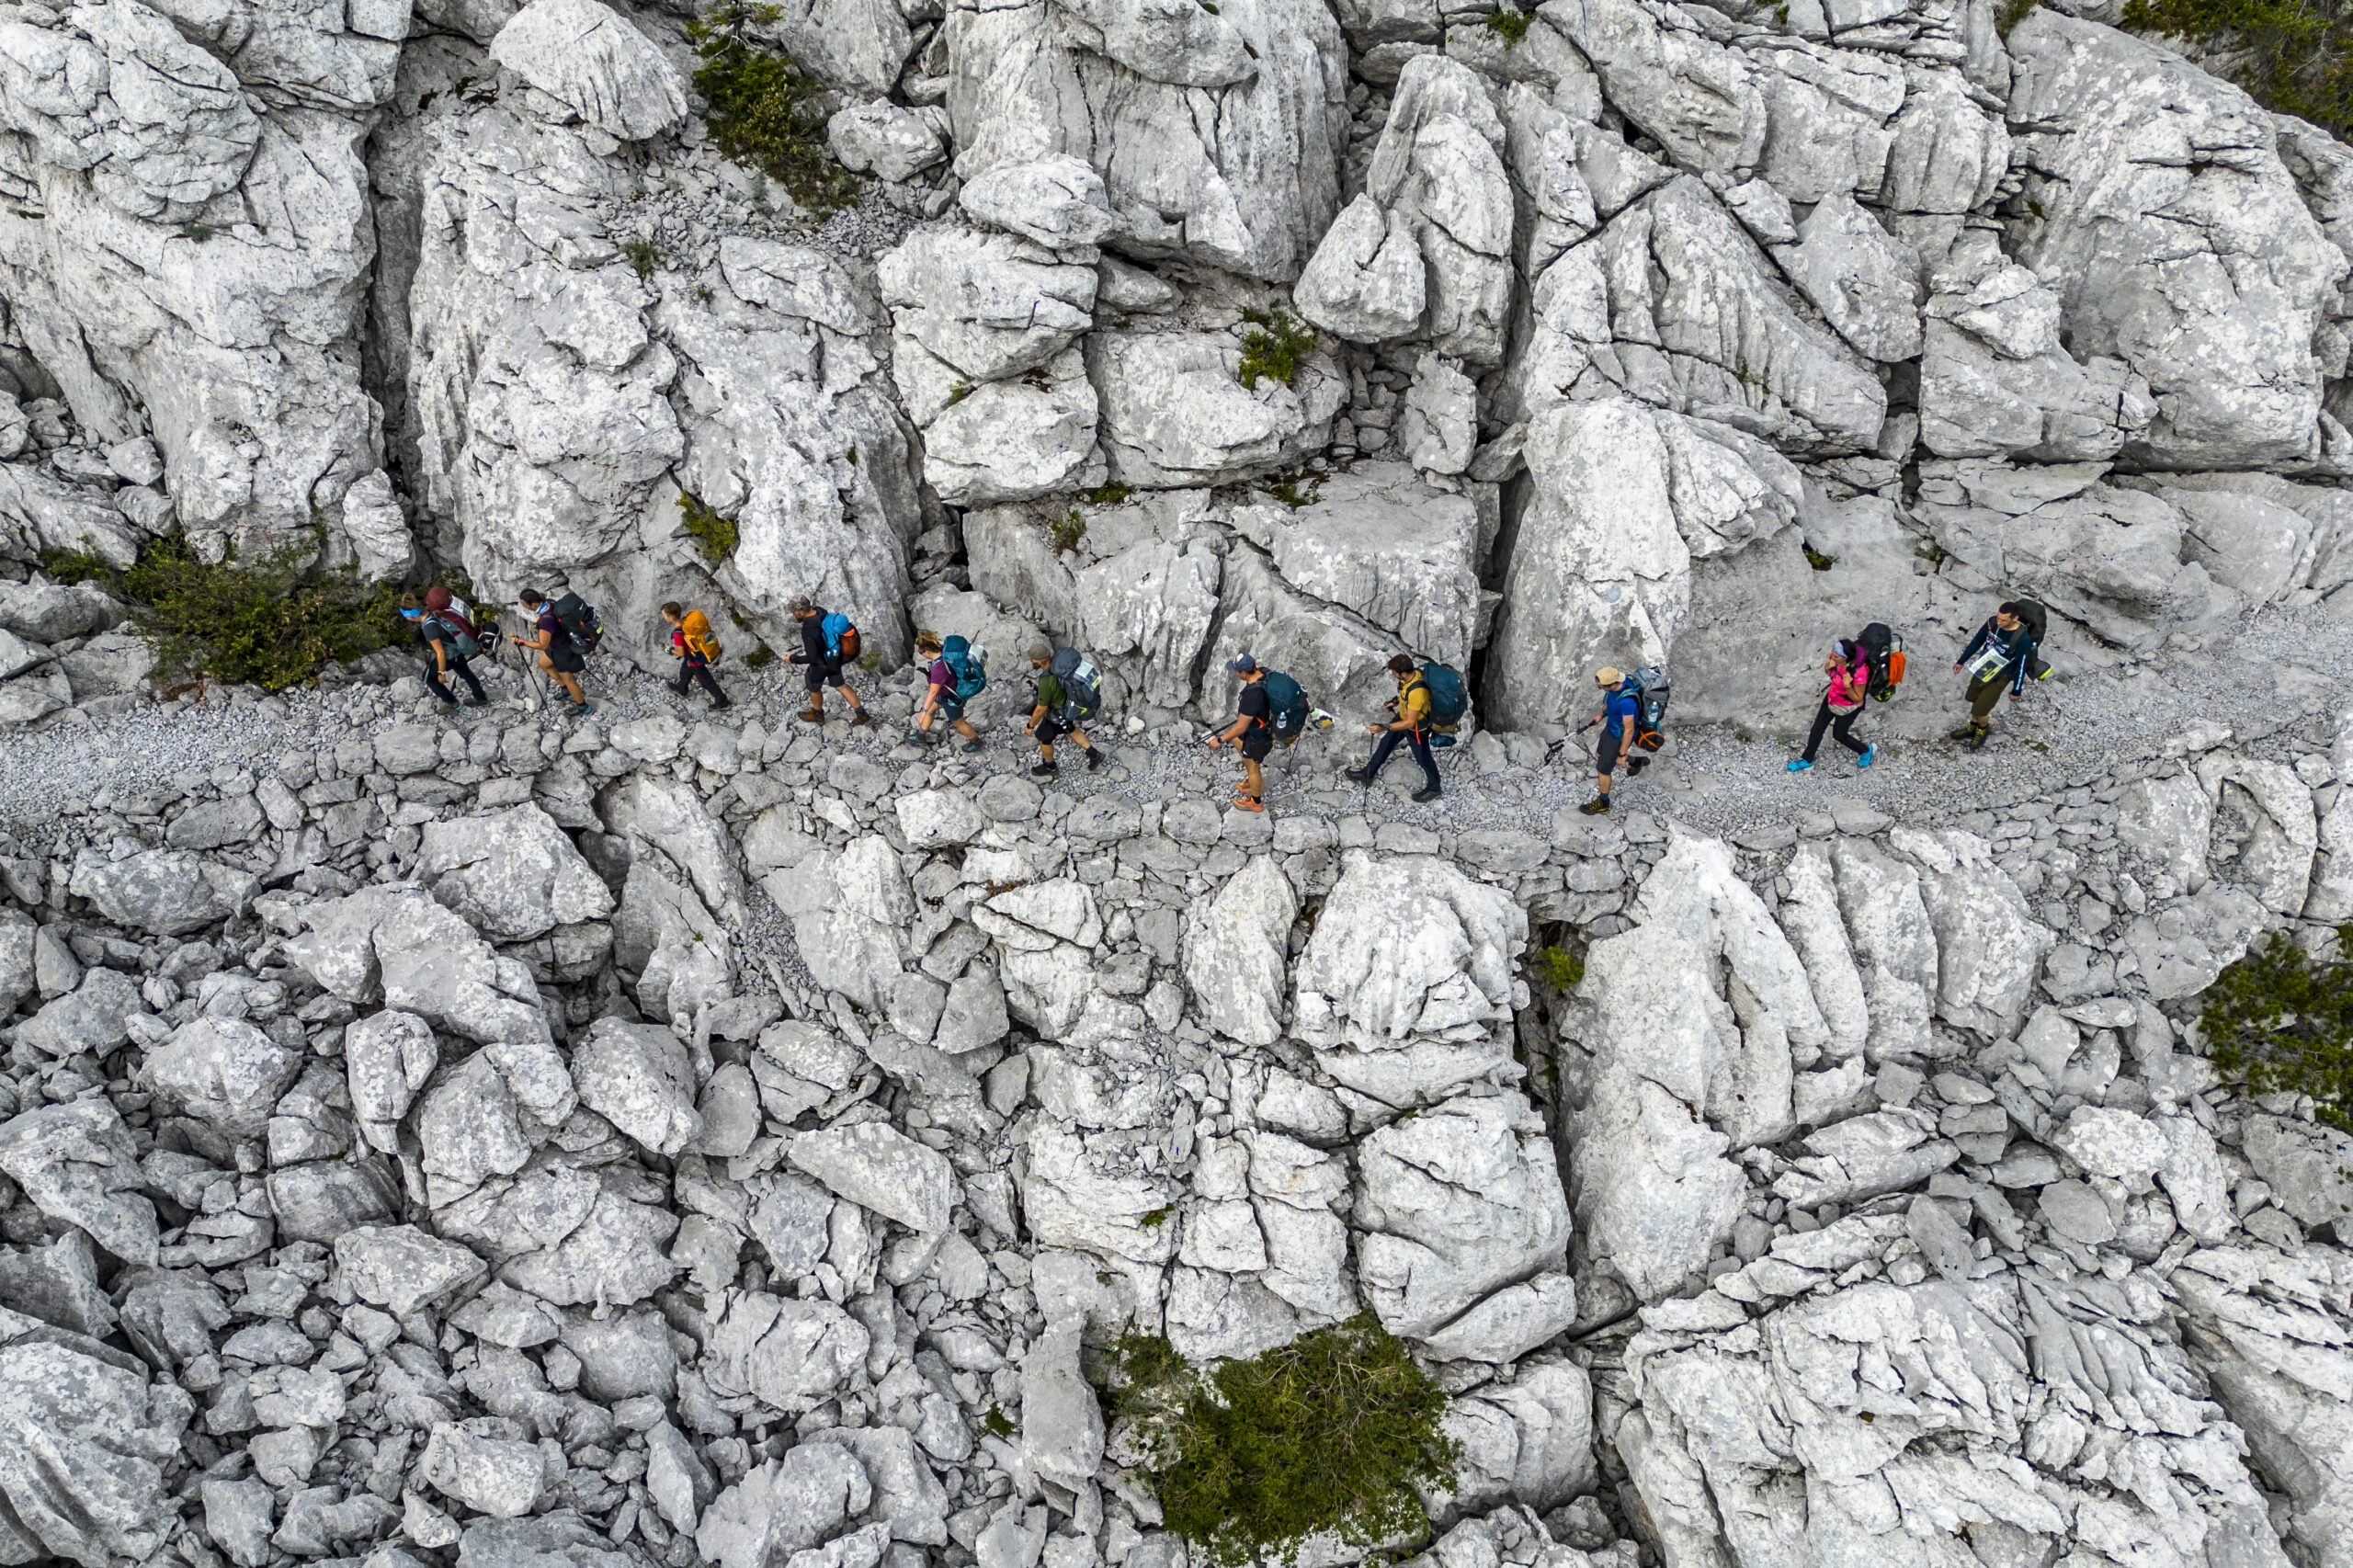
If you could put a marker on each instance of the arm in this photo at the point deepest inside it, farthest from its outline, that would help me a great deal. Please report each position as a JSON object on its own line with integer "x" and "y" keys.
{"x": 440, "y": 655}
{"x": 2025, "y": 656}
{"x": 931, "y": 698}
{"x": 1231, "y": 732}
{"x": 1968, "y": 653}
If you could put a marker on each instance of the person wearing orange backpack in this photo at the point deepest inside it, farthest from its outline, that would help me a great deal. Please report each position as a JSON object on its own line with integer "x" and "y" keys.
{"x": 693, "y": 646}
{"x": 1849, "y": 670}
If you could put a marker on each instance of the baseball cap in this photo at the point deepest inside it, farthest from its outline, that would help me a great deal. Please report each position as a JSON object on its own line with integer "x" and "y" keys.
{"x": 1241, "y": 664}
{"x": 798, "y": 605}
{"x": 1039, "y": 652}
{"x": 1606, "y": 676}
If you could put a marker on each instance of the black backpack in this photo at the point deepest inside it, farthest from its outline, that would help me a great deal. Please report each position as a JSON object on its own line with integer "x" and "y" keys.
{"x": 2037, "y": 626}
{"x": 579, "y": 620}
{"x": 1884, "y": 657}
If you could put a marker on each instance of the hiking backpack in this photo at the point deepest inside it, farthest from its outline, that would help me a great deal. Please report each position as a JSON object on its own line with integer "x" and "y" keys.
{"x": 464, "y": 644}
{"x": 1450, "y": 698}
{"x": 1081, "y": 684}
{"x": 580, "y": 622}
{"x": 841, "y": 639}
{"x": 1884, "y": 657}
{"x": 1288, "y": 702}
{"x": 968, "y": 664}
{"x": 1651, "y": 690}
{"x": 2038, "y": 625}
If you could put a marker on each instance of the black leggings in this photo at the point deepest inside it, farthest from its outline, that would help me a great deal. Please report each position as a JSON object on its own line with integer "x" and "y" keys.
{"x": 691, "y": 669}
{"x": 461, "y": 670}
{"x": 1840, "y": 726}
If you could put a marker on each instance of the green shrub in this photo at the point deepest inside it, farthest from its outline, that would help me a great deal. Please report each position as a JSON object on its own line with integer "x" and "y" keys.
{"x": 2291, "y": 56}
{"x": 2281, "y": 1022}
{"x": 1274, "y": 346}
{"x": 1067, "y": 531}
{"x": 997, "y": 1424}
{"x": 1558, "y": 968}
{"x": 714, "y": 535}
{"x": 1332, "y": 1432}
{"x": 642, "y": 256}
{"x": 759, "y": 658}
{"x": 274, "y": 624}
{"x": 1816, "y": 560}
{"x": 1110, "y": 495}
{"x": 763, "y": 110}
{"x": 1508, "y": 25}
{"x": 2012, "y": 13}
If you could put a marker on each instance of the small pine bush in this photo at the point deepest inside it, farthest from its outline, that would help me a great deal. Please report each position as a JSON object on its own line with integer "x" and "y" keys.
{"x": 2281, "y": 1022}
{"x": 1274, "y": 346}
{"x": 642, "y": 256}
{"x": 714, "y": 535}
{"x": 2291, "y": 56}
{"x": 763, "y": 110}
{"x": 275, "y": 623}
{"x": 1510, "y": 25}
{"x": 1067, "y": 531}
{"x": 1333, "y": 1432}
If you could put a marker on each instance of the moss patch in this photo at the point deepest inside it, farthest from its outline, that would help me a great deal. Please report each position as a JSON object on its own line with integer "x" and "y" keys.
{"x": 273, "y": 623}
{"x": 1332, "y": 1432}
{"x": 1274, "y": 346}
{"x": 1558, "y": 968}
{"x": 2281, "y": 1022}
{"x": 763, "y": 110}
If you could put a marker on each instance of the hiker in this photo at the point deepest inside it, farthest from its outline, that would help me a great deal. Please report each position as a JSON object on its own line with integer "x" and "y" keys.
{"x": 1068, "y": 692}
{"x": 1411, "y": 726}
{"x": 559, "y": 658}
{"x": 1849, "y": 669}
{"x": 693, "y": 646}
{"x": 1622, "y": 706}
{"x": 446, "y": 635}
{"x": 1999, "y": 656}
{"x": 828, "y": 643}
{"x": 952, "y": 683}
{"x": 1253, "y": 733}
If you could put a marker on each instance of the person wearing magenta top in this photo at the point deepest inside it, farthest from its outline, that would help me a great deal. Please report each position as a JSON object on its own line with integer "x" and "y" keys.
{"x": 1842, "y": 704}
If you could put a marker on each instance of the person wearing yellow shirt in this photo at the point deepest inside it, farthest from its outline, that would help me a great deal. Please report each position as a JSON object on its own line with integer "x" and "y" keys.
{"x": 1410, "y": 727}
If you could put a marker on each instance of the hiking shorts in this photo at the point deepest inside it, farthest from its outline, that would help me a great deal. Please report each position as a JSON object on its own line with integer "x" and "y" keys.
{"x": 818, "y": 675}
{"x": 1051, "y": 728}
{"x": 1612, "y": 747}
{"x": 950, "y": 706}
{"x": 564, "y": 660}
{"x": 1257, "y": 743}
{"x": 1985, "y": 696}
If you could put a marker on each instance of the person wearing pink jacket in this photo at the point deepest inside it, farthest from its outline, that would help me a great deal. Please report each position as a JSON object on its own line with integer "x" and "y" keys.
{"x": 1841, "y": 703}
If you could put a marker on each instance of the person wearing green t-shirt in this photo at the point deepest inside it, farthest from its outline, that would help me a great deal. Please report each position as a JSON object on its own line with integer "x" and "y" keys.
{"x": 1053, "y": 717}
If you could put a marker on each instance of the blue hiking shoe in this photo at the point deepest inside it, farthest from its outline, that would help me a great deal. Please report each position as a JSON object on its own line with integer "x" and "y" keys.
{"x": 1870, "y": 755}
{"x": 1800, "y": 765}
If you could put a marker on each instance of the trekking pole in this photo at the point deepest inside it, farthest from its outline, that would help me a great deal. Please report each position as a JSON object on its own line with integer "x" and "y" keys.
{"x": 1554, "y": 750}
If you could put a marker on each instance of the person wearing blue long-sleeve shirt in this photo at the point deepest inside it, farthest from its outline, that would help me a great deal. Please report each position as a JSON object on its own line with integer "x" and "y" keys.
{"x": 1999, "y": 656}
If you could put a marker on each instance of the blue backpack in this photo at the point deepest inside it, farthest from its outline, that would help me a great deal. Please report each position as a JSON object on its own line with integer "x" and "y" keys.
{"x": 1288, "y": 701}
{"x": 1449, "y": 697}
{"x": 968, "y": 664}
{"x": 841, "y": 638}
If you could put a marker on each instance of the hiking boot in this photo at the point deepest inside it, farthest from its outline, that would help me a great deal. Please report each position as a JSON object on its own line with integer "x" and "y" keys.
{"x": 1979, "y": 735}
{"x": 1358, "y": 776}
{"x": 1634, "y": 766}
{"x": 1424, "y": 795}
{"x": 1596, "y": 807}
{"x": 477, "y": 701}
{"x": 1870, "y": 755}
{"x": 1800, "y": 765}
{"x": 1094, "y": 759}
{"x": 859, "y": 718}
{"x": 1045, "y": 769}
{"x": 722, "y": 706}
{"x": 970, "y": 747}
{"x": 1962, "y": 733}
{"x": 811, "y": 715}
{"x": 582, "y": 710}
{"x": 1248, "y": 803}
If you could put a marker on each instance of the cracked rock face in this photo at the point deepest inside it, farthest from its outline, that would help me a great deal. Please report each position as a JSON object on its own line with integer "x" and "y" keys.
{"x": 477, "y": 1208}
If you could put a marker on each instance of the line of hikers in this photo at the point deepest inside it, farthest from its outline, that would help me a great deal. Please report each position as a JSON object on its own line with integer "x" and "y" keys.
{"x": 1271, "y": 708}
